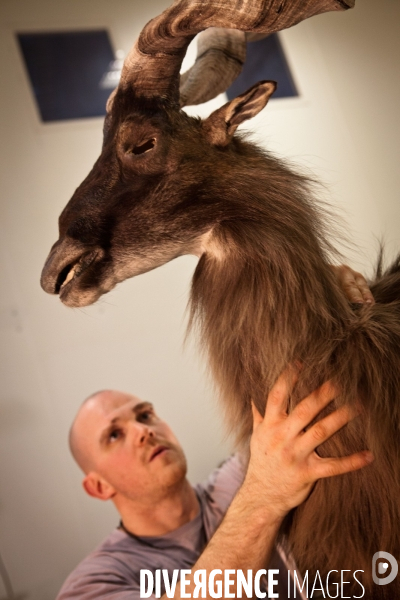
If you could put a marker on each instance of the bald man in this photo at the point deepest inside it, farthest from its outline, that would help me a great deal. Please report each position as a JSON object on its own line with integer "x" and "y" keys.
{"x": 131, "y": 457}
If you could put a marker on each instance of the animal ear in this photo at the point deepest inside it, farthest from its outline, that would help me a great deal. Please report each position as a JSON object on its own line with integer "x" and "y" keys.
{"x": 223, "y": 122}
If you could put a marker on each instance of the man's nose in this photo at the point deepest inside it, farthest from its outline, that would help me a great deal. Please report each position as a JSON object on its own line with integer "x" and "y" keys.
{"x": 142, "y": 433}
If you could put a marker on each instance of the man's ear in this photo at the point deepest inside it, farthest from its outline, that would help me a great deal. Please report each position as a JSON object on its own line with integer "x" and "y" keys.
{"x": 223, "y": 122}
{"x": 97, "y": 487}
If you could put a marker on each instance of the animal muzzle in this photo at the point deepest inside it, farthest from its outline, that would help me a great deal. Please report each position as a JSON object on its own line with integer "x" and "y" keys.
{"x": 66, "y": 263}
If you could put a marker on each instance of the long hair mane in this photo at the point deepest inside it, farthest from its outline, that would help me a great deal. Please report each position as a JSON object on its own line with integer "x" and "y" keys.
{"x": 265, "y": 297}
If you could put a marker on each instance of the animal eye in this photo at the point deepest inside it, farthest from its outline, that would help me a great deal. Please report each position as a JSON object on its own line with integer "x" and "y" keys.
{"x": 144, "y": 147}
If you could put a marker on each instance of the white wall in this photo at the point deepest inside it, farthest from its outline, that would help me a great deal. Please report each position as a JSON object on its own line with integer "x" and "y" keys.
{"x": 344, "y": 127}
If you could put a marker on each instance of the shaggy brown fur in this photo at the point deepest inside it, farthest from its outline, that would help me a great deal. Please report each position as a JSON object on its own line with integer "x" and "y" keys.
{"x": 267, "y": 298}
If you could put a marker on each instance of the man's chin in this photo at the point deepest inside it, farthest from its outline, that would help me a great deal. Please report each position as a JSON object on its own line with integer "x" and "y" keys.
{"x": 174, "y": 468}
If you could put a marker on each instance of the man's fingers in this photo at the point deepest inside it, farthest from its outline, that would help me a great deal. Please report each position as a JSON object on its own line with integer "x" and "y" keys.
{"x": 350, "y": 286}
{"x": 353, "y": 284}
{"x": 278, "y": 397}
{"x": 329, "y": 467}
{"x": 364, "y": 290}
{"x": 326, "y": 427}
{"x": 310, "y": 407}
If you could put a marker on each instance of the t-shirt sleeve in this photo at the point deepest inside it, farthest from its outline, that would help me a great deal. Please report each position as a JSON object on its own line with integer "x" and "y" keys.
{"x": 100, "y": 578}
{"x": 224, "y": 482}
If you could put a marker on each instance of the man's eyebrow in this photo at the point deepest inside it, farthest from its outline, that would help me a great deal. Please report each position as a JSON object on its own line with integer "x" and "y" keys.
{"x": 138, "y": 407}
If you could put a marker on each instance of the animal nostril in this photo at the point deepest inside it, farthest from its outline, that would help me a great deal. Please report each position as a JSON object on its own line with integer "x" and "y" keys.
{"x": 144, "y": 147}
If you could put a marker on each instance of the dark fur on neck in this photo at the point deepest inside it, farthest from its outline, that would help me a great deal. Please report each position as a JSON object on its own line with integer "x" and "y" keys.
{"x": 263, "y": 297}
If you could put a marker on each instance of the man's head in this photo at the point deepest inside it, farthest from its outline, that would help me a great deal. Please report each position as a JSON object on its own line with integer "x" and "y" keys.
{"x": 125, "y": 450}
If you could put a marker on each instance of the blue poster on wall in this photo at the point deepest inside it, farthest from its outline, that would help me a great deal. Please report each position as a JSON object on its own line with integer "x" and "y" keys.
{"x": 265, "y": 60}
{"x": 67, "y": 71}
{"x": 72, "y": 73}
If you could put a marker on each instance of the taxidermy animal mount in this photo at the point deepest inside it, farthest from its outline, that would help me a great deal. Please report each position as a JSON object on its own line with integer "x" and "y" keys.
{"x": 263, "y": 294}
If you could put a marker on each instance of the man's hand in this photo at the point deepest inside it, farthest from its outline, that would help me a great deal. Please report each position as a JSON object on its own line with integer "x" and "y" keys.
{"x": 283, "y": 465}
{"x": 353, "y": 284}
{"x": 282, "y": 469}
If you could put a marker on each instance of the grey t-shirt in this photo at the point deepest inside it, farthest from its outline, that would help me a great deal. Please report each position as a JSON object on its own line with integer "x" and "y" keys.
{"x": 112, "y": 571}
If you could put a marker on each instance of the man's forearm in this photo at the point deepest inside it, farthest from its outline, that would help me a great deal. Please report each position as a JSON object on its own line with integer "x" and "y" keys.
{"x": 245, "y": 537}
{"x": 244, "y": 540}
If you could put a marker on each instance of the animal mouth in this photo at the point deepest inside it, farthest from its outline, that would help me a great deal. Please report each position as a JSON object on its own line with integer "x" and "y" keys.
{"x": 72, "y": 271}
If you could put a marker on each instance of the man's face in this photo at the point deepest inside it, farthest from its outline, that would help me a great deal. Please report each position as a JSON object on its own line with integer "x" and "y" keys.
{"x": 129, "y": 446}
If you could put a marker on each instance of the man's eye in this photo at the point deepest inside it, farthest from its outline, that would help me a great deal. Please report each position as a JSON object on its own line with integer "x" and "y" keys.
{"x": 146, "y": 415}
{"x": 115, "y": 434}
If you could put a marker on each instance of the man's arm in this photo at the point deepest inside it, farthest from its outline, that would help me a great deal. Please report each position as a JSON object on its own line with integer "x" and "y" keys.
{"x": 282, "y": 470}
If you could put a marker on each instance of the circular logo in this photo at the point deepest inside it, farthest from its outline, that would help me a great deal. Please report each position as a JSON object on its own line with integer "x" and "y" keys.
{"x": 382, "y": 567}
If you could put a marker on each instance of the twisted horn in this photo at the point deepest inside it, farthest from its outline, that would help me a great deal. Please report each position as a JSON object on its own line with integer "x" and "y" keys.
{"x": 153, "y": 64}
{"x": 221, "y": 54}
